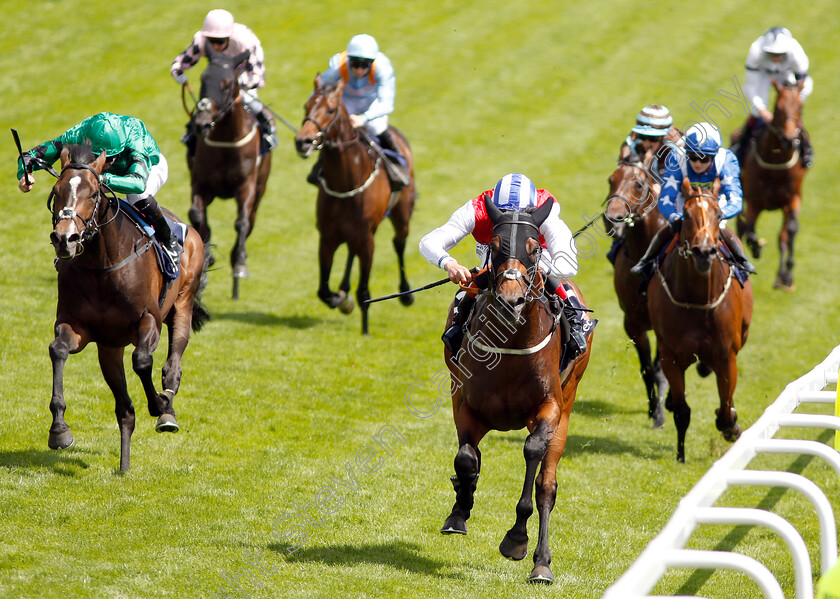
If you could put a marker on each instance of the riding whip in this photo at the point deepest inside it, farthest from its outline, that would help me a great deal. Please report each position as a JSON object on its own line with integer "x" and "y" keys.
{"x": 586, "y": 226}
{"x": 20, "y": 153}
{"x": 393, "y": 295}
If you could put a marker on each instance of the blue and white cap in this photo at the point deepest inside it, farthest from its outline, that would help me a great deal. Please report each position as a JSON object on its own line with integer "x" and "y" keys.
{"x": 654, "y": 120}
{"x": 514, "y": 192}
{"x": 703, "y": 138}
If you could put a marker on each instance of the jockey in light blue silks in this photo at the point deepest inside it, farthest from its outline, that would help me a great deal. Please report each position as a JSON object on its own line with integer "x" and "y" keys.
{"x": 369, "y": 91}
{"x": 702, "y": 161}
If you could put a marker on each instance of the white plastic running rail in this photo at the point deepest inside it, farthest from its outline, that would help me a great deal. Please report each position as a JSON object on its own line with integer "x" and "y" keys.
{"x": 667, "y": 549}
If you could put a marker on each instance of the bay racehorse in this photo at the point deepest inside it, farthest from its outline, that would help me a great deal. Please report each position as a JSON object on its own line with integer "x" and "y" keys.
{"x": 771, "y": 178}
{"x": 507, "y": 377}
{"x": 109, "y": 288}
{"x": 633, "y": 218}
{"x": 699, "y": 312}
{"x": 354, "y": 196}
{"x": 227, "y": 162}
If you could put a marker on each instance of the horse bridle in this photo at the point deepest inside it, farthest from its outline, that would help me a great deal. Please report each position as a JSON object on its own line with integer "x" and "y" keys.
{"x": 632, "y": 216}
{"x": 91, "y": 227}
{"x": 527, "y": 281}
{"x": 788, "y": 143}
{"x": 684, "y": 248}
{"x": 321, "y": 140}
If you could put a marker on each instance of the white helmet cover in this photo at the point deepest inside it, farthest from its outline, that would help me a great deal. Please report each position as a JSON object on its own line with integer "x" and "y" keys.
{"x": 218, "y": 24}
{"x": 776, "y": 40}
{"x": 363, "y": 46}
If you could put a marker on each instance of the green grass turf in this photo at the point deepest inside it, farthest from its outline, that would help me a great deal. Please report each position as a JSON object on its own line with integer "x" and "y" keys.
{"x": 279, "y": 393}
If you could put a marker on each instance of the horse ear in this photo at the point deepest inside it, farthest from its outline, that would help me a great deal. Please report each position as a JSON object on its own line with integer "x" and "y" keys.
{"x": 686, "y": 187}
{"x": 492, "y": 210}
{"x": 240, "y": 58}
{"x": 540, "y": 214}
{"x": 716, "y": 187}
{"x": 800, "y": 84}
{"x": 339, "y": 87}
{"x": 318, "y": 81}
{"x": 777, "y": 85}
{"x": 65, "y": 156}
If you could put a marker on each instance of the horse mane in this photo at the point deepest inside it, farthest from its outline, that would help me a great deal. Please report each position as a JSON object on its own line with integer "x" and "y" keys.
{"x": 81, "y": 153}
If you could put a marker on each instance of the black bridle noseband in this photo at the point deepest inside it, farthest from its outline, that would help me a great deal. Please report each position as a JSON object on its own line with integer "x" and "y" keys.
{"x": 322, "y": 138}
{"x": 91, "y": 226}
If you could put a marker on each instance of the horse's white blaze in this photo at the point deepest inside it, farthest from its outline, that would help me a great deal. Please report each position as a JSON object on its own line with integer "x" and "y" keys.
{"x": 74, "y": 186}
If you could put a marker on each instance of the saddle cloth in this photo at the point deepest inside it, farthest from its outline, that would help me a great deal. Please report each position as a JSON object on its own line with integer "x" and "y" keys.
{"x": 167, "y": 267}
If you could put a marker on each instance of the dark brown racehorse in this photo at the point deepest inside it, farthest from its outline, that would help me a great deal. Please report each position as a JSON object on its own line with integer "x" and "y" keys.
{"x": 227, "y": 161}
{"x": 699, "y": 311}
{"x": 354, "y": 196}
{"x": 109, "y": 286}
{"x": 771, "y": 178}
{"x": 633, "y": 217}
{"x": 508, "y": 377}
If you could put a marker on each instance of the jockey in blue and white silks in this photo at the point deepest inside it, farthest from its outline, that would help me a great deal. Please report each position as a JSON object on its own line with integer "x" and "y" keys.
{"x": 724, "y": 166}
{"x": 702, "y": 161}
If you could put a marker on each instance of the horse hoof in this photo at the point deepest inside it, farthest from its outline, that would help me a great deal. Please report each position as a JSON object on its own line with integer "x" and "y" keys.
{"x": 513, "y": 549}
{"x": 541, "y": 575}
{"x": 407, "y": 300}
{"x": 240, "y": 271}
{"x": 703, "y": 370}
{"x": 346, "y": 306}
{"x": 167, "y": 424}
{"x": 454, "y": 525}
{"x": 782, "y": 286}
{"x": 732, "y": 434}
{"x": 61, "y": 440}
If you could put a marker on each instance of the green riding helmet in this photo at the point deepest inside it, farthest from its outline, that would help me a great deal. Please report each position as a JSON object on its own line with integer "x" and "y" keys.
{"x": 106, "y": 133}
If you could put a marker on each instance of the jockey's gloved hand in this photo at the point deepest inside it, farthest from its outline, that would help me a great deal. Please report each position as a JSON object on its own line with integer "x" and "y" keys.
{"x": 179, "y": 77}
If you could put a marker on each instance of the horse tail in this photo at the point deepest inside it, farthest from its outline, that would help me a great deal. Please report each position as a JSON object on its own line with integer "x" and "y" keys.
{"x": 200, "y": 312}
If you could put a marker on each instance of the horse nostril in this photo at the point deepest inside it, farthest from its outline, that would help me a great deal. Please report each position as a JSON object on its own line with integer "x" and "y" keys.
{"x": 519, "y": 301}
{"x": 54, "y": 238}
{"x": 74, "y": 238}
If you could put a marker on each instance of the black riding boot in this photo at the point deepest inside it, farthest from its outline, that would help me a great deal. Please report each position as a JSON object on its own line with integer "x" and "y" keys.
{"x": 454, "y": 335}
{"x": 741, "y": 147}
{"x": 645, "y": 263}
{"x": 267, "y": 128}
{"x": 734, "y": 247}
{"x": 163, "y": 233}
{"x": 573, "y": 317}
{"x": 806, "y": 149}
{"x": 397, "y": 174}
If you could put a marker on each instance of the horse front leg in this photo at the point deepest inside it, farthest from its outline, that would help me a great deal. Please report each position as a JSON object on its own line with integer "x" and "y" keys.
{"x": 746, "y": 230}
{"x": 198, "y": 219}
{"x": 790, "y": 227}
{"x": 467, "y": 468}
{"x": 675, "y": 402}
{"x": 726, "y": 419}
{"x": 66, "y": 342}
{"x": 244, "y": 224}
{"x": 649, "y": 372}
{"x": 111, "y": 364}
{"x": 347, "y": 305}
{"x": 365, "y": 253}
{"x": 515, "y": 543}
{"x": 546, "y": 495}
{"x": 326, "y": 252}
